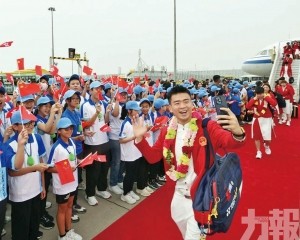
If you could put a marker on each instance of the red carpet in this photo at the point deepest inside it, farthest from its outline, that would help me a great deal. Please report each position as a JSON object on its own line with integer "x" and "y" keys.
{"x": 269, "y": 183}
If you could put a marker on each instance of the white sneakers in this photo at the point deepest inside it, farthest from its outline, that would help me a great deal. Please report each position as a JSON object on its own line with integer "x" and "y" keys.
{"x": 103, "y": 194}
{"x": 120, "y": 184}
{"x": 127, "y": 198}
{"x": 71, "y": 235}
{"x": 116, "y": 189}
{"x": 288, "y": 123}
{"x": 149, "y": 189}
{"x": 92, "y": 201}
{"x": 267, "y": 150}
{"x": 143, "y": 192}
{"x": 134, "y": 196}
{"x": 258, "y": 155}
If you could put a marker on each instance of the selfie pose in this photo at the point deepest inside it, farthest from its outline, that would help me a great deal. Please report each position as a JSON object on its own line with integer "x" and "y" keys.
{"x": 182, "y": 147}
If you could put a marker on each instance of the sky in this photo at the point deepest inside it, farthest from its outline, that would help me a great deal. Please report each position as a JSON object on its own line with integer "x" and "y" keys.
{"x": 211, "y": 34}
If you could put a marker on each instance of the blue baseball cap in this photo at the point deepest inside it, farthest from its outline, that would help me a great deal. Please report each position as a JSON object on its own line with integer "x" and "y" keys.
{"x": 44, "y": 100}
{"x": 16, "y": 118}
{"x": 159, "y": 103}
{"x": 238, "y": 86}
{"x": 201, "y": 94}
{"x": 144, "y": 100}
{"x": 133, "y": 105}
{"x": 25, "y": 98}
{"x": 70, "y": 93}
{"x": 138, "y": 89}
{"x": 95, "y": 84}
{"x": 64, "y": 123}
{"x": 169, "y": 89}
{"x": 214, "y": 88}
{"x": 151, "y": 98}
{"x": 166, "y": 102}
{"x": 245, "y": 83}
{"x": 107, "y": 86}
{"x": 235, "y": 90}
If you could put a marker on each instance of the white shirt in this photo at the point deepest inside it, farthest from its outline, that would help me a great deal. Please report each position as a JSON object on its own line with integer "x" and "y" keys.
{"x": 129, "y": 152}
{"x": 61, "y": 151}
{"x": 87, "y": 111}
{"x": 183, "y": 185}
{"x": 115, "y": 124}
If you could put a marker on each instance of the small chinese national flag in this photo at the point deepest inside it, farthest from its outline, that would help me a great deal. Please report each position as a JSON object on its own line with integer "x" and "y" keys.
{"x": 65, "y": 172}
{"x": 20, "y": 63}
{"x": 31, "y": 88}
{"x": 122, "y": 83}
{"x": 6, "y": 44}
{"x": 87, "y": 70}
{"x": 130, "y": 88}
{"x": 88, "y": 160}
{"x": 10, "y": 112}
{"x": 26, "y": 114}
{"x": 38, "y": 70}
{"x": 157, "y": 82}
{"x": 10, "y": 78}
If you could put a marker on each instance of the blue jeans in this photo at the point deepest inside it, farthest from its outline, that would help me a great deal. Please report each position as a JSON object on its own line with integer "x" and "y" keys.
{"x": 116, "y": 168}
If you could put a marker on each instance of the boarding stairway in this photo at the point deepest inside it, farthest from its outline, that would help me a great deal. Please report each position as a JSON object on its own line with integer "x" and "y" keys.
{"x": 275, "y": 73}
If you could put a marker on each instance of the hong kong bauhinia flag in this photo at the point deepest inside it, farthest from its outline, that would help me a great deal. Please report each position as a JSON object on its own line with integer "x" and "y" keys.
{"x": 6, "y": 44}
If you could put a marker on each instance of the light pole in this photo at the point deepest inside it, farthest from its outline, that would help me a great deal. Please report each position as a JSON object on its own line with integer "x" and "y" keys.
{"x": 52, "y": 9}
{"x": 175, "y": 50}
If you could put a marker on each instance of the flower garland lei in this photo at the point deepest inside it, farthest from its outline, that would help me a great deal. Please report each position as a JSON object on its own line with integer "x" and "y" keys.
{"x": 188, "y": 143}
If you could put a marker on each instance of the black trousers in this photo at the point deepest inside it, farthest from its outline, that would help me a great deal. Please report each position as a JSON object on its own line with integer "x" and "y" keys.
{"x": 25, "y": 219}
{"x": 96, "y": 173}
{"x": 135, "y": 170}
{"x": 47, "y": 177}
{"x": 2, "y": 214}
{"x": 142, "y": 173}
{"x": 156, "y": 169}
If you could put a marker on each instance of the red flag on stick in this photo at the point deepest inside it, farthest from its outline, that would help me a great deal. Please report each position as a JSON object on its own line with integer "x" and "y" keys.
{"x": 115, "y": 79}
{"x": 88, "y": 160}
{"x": 20, "y": 63}
{"x": 151, "y": 89}
{"x": 31, "y": 88}
{"x": 53, "y": 70}
{"x": 87, "y": 70}
{"x": 64, "y": 171}
{"x": 6, "y": 44}
{"x": 10, "y": 78}
{"x": 38, "y": 70}
{"x": 26, "y": 114}
{"x": 157, "y": 82}
{"x": 130, "y": 88}
{"x": 122, "y": 83}
{"x": 10, "y": 112}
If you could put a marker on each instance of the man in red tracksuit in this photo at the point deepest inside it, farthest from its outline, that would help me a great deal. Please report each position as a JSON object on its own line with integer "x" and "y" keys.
{"x": 184, "y": 129}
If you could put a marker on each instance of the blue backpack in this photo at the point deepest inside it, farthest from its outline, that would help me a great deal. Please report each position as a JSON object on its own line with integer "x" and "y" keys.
{"x": 218, "y": 193}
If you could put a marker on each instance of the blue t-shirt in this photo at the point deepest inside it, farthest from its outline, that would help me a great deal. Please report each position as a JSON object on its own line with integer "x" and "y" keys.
{"x": 235, "y": 108}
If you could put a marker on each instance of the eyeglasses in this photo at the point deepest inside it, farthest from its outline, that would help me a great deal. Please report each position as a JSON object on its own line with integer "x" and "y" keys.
{"x": 67, "y": 128}
{"x": 31, "y": 123}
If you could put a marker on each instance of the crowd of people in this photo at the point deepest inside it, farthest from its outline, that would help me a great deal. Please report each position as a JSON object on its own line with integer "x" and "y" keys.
{"x": 71, "y": 127}
{"x": 291, "y": 51}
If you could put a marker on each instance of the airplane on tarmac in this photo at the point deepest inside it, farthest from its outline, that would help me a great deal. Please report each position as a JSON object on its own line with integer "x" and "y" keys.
{"x": 261, "y": 64}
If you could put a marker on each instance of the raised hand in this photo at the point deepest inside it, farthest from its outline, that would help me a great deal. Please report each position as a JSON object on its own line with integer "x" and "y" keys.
{"x": 229, "y": 122}
{"x": 23, "y": 137}
{"x": 139, "y": 129}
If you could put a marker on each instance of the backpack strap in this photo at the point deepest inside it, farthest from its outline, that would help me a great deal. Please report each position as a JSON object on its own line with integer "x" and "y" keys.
{"x": 209, "y": 147}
